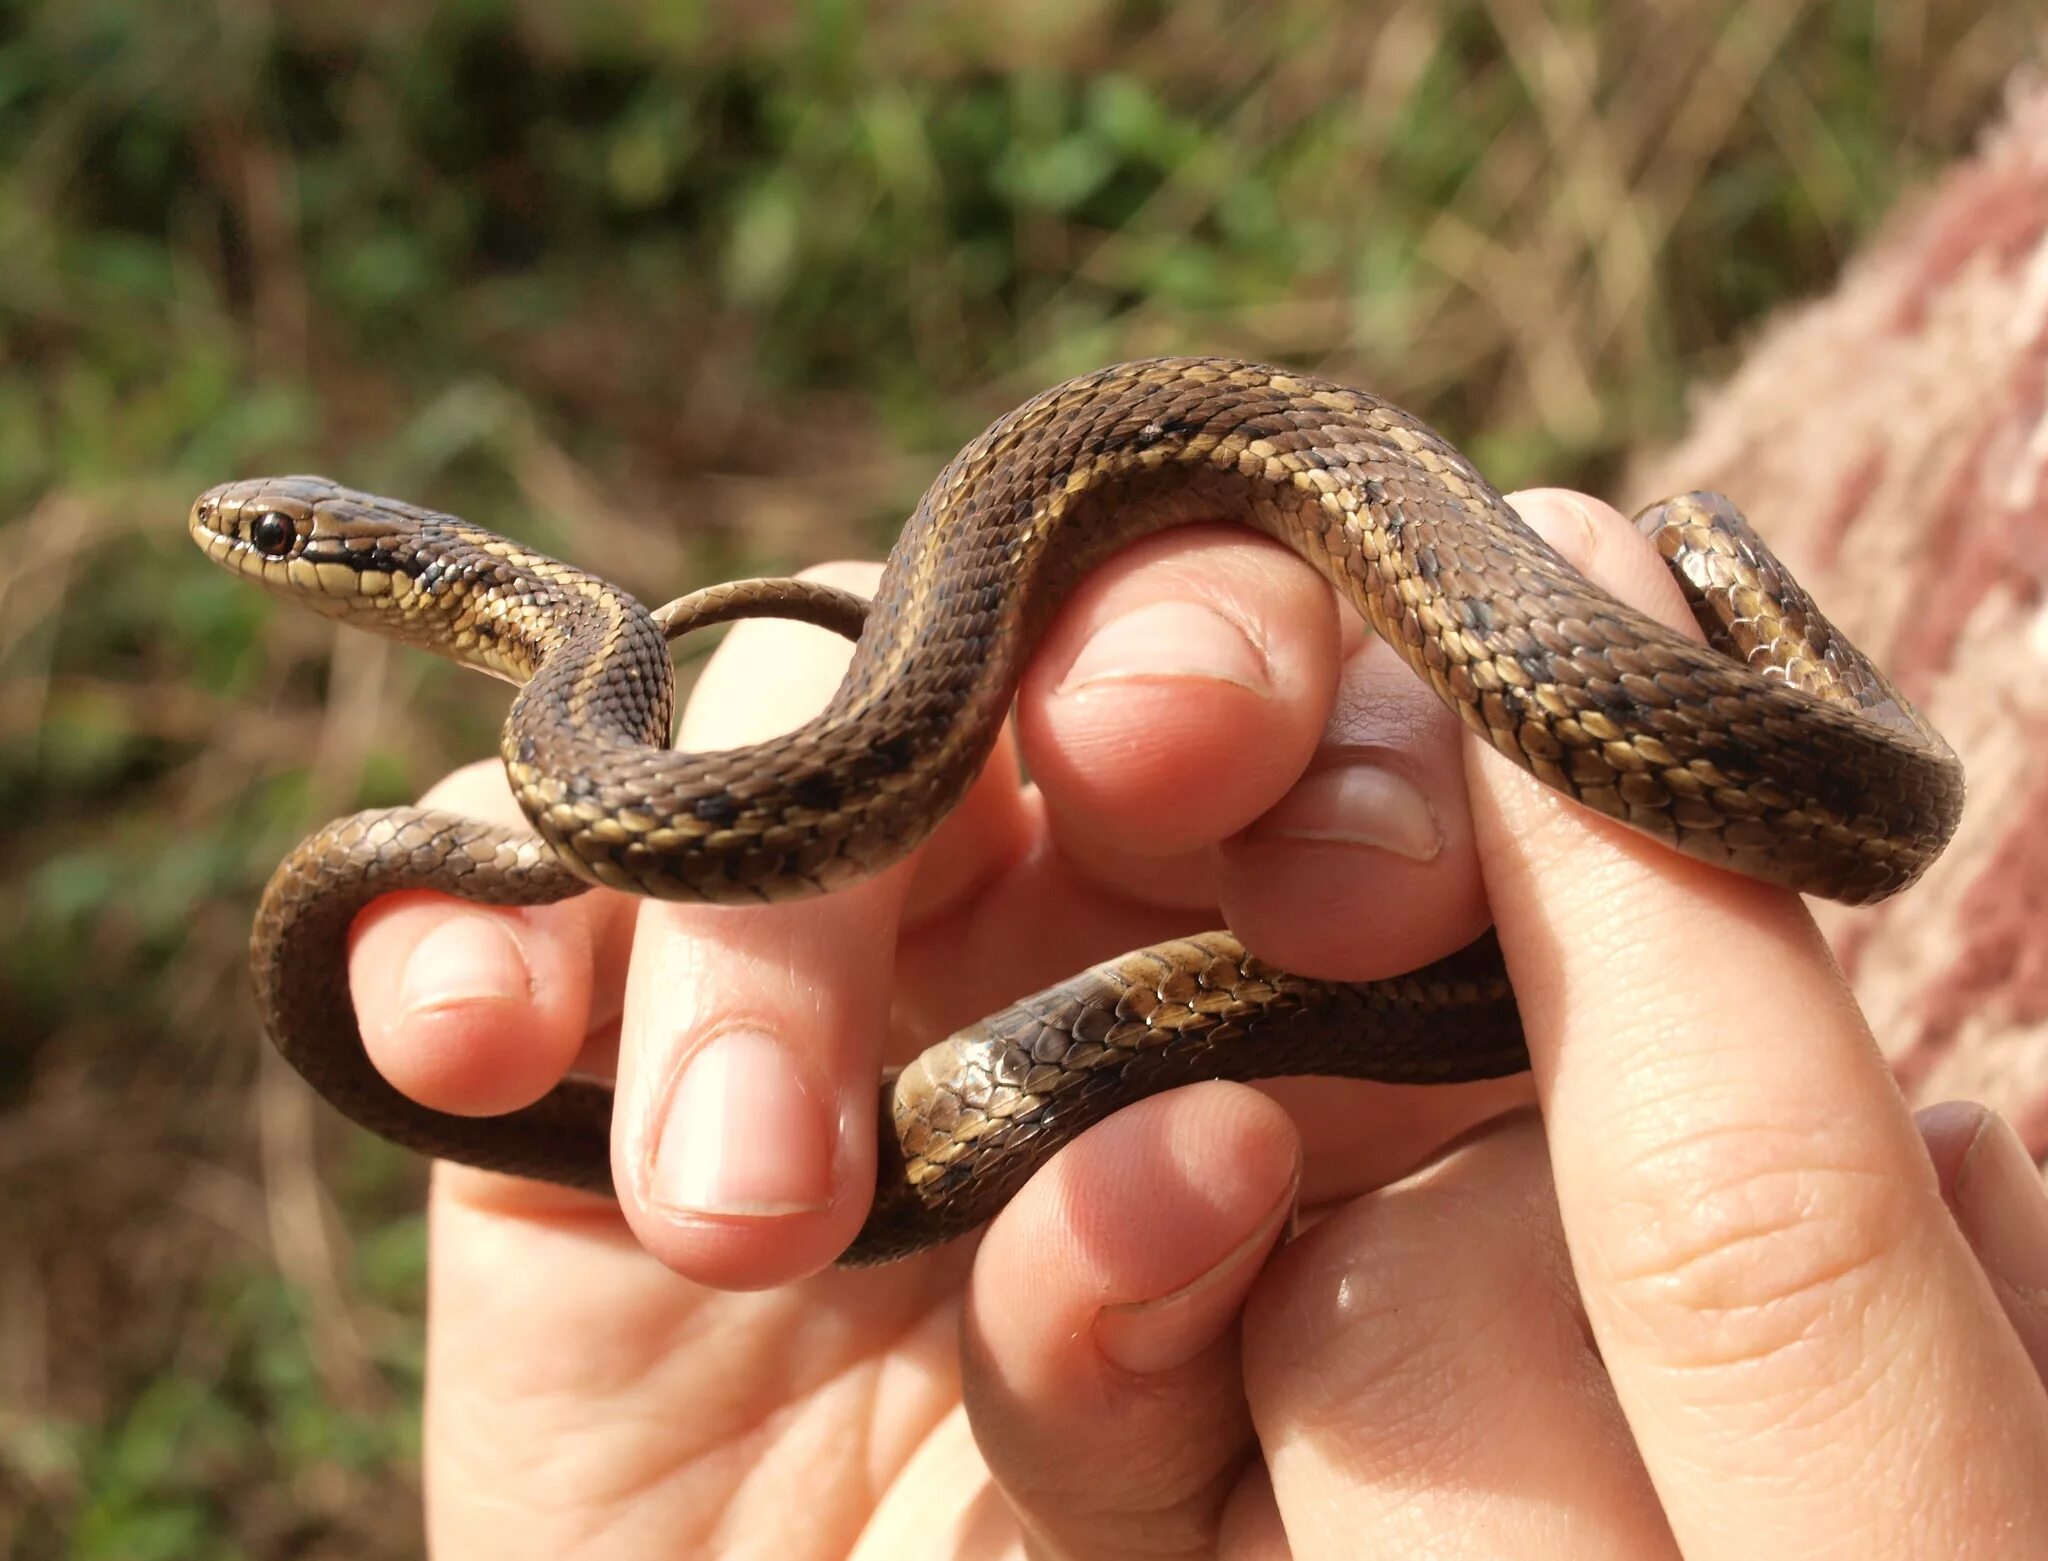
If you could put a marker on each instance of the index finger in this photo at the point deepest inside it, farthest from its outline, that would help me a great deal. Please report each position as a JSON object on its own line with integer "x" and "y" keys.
{"x": 752, "y": 1038}
{"x": 1797, "y": 1331}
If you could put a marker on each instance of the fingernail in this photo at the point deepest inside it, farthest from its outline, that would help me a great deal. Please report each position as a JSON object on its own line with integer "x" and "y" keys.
{"x": 1356, "y": 804}
{"x": 1170, "y": 639}
{"x": 1170, "y": 1330}
{"x": 1560, "y": 519}
{"x": 2003, "y": 1208}
{"x": 742, "y": 1136}
{"x": 466, "y": 959}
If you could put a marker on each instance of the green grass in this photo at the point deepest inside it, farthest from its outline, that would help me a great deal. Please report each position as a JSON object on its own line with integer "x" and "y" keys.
{"x": 683, "y": 292}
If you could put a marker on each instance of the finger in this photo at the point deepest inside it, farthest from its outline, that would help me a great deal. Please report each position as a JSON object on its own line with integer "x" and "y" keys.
{"x": 1366, "y": 867}
{"x": 479, "y": 1009}
{"x": 1786, "y": 1308}
{"x": 1178, "y": 695}
{"x": 1205, "y": 653}
{"x": 1419, "y": 1371}
{"x": 1100, "y": 1363}
{"x": 1993, "y": 1187}
{"x": 751, "y": 1041}
{"x": 1186, "y": 723}
{"x": 1252, "y": 1528}
{"x": 748, "y": 1047}
{"x": 1039, "y": 921}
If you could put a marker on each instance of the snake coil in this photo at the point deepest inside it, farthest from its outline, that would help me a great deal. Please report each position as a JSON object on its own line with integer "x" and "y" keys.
{"x": 1777, "y": 751}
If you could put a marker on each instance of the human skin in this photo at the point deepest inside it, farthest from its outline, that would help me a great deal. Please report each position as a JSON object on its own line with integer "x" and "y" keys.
{"x": 1698, "y": 1286}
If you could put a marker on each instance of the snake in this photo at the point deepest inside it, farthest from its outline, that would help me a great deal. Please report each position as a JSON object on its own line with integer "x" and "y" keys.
{"x": 1775, "y": 750}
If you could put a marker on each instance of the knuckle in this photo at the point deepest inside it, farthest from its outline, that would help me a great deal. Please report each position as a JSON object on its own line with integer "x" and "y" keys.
{"x": 1730, "y": 1249}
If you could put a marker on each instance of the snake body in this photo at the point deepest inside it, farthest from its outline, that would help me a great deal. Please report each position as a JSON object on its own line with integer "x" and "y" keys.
{"x": 1777, "y": 751}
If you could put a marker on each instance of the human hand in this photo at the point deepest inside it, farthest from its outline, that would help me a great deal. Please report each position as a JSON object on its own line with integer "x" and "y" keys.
{"x": 581, "y": 1394}
{"x": 1101, "y": 1374}
{"x": 1721, "y": 1300}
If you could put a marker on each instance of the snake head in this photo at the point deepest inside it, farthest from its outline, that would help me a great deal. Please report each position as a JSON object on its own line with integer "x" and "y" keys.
{"x": 322, "y": 546}
{"x": 335, "y": 551}
{"x": 413, "y": 575}
{"x": 279, "y": 530}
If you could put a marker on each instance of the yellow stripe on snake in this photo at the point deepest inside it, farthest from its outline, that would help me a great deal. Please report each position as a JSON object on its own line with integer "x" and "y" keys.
{"x": 1779, "y": 752}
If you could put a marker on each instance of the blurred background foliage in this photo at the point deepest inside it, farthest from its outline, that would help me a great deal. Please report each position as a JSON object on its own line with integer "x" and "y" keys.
{"x": 683, "y": 291}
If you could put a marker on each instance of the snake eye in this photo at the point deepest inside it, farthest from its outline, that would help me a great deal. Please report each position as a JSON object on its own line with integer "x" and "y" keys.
{"x": 273, "y": 534}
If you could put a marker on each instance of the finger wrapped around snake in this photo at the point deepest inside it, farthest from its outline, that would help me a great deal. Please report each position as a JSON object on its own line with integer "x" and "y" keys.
{"x": 1775, "y": 751}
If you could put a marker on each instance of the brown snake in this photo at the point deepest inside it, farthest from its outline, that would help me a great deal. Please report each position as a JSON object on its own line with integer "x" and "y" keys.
{"x": 1780, "y": 753}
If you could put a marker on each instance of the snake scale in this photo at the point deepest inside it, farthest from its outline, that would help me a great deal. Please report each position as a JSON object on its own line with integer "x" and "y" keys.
{"x": 1777, "y": 752}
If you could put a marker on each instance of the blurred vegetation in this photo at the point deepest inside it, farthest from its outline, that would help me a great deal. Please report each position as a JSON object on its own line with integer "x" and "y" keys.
{"x": 681, "y": 291}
